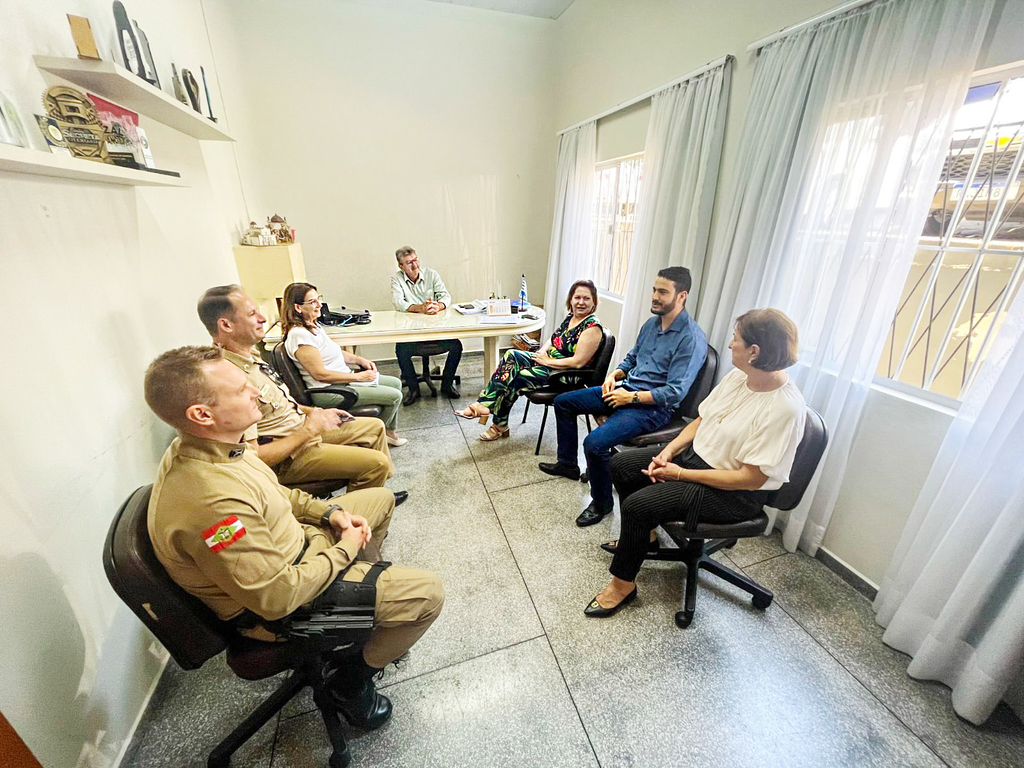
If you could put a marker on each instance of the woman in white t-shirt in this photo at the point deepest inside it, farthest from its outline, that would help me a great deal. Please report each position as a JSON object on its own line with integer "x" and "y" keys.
{"x": 323, "y": 363}
{"x": 723, "y": 464}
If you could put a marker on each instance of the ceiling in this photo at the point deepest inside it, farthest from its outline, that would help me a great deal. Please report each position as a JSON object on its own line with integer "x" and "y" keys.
{"x": 544, "y": 9}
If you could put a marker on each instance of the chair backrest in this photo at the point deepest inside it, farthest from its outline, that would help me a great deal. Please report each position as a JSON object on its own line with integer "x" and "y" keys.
{"x": 602, "y": 358}
{"x": 188, "y": 629}
{"x": 289, "y": 373}
{"x": 700, "y": 388}
{"x": 808, "y": 455}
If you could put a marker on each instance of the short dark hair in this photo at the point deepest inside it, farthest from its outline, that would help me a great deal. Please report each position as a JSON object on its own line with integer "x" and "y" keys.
{"x": 176, "y": 380}
{"x": 775, "y": 335}
{"x": 678, "y": 275}
{"x": 215, "y": 304}
{"x": 588, "y": 284}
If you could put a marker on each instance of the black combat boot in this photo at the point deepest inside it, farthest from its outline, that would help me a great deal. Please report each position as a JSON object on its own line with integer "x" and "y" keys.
{"x": 356, "y": 696}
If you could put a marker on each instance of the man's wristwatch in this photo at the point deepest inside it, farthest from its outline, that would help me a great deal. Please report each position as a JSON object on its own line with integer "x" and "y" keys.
{"x": 636, "y": 398}
{"x": 325, "y": 519}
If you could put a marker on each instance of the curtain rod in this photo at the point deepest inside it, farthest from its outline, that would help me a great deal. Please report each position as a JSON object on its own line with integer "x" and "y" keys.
{"x": 838, "y": 10}
{"x": 618, "y": 107}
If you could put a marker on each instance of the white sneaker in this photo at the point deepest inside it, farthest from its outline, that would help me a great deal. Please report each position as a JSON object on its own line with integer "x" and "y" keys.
{"x": 396, "y": 442}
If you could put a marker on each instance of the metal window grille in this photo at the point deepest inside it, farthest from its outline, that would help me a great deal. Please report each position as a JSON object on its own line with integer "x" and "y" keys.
{"x": 618, "y": 189}
{"x": 969, "y": 259}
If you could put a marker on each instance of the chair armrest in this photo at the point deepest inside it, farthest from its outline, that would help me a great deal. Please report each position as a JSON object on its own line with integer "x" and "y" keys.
{"x": 348, "y": 397}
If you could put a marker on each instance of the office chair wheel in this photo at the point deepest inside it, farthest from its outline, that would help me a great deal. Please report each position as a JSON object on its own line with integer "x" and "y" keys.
{"x": 731, "y": 543}
{"x": 761, "y": 602}
{"x": 340, "y": 759}
{"x": 585, "y": 478}
{"x": 683, "y": 619}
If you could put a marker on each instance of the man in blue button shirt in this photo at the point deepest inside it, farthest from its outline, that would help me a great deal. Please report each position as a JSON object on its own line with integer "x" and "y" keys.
{"x": 655, "y": 375}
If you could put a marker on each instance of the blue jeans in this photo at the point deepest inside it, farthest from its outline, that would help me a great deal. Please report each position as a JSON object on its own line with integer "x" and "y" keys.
{"x": 623, "y": 423}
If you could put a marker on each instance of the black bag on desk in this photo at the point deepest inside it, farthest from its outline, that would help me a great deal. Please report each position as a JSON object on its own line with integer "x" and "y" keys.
{"x": 339, "y": 319}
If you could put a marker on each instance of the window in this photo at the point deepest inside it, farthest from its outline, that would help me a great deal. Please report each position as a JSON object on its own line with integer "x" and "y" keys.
{"x": 617, "y": 184}
{"x": 969, "y": 258}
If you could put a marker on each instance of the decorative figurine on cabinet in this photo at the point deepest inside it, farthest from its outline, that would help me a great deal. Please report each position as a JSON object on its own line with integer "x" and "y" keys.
{"x": 257, "y": 235}
{"x": 279, "y": 226}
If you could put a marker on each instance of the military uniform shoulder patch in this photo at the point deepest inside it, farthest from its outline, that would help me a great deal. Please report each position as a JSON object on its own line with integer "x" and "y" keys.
{"x": 225, "y": 533}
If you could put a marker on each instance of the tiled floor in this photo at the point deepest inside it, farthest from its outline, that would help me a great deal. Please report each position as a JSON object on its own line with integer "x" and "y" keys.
{"x": 512, "y": 673}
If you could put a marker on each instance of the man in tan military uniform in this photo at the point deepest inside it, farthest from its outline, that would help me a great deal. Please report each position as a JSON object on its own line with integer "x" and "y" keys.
{"x": 300, "y": 443}
{"x": 230, "y": 534}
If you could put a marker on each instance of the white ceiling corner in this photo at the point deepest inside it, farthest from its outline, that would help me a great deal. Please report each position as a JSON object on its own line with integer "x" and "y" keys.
{"x": 543, "y": 9}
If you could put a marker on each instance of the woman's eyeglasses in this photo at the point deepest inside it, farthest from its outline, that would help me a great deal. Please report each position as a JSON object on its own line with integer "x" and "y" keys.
{"x": 313, "y": 302}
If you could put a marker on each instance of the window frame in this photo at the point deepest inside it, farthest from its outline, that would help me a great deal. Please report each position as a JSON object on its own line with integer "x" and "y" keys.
{"x": 1003, "y": 74}
{"x": 613, "y": 162}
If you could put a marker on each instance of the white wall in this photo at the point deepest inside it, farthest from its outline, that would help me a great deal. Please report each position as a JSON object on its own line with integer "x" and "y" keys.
{"x": 377, "y": 125}
{"x": 98, "y": 279}
{"x": 608, "y": 55}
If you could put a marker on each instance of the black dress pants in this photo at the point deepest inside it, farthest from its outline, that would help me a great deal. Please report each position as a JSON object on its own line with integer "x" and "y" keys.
{"x": 405, "y": 351}
{"x": 646, "y": 505}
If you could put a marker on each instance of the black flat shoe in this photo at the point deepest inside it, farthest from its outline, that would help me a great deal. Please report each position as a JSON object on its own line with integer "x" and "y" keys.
{"x": 597, "y": 611}
{"x": 652, "y": 549}
{"x": 451, "y": 392}
{"x": 559, "y": 470}
{"x": 400, "y": 497}
{"x": 411, "y": 396}
{"x": 591, "y": 516}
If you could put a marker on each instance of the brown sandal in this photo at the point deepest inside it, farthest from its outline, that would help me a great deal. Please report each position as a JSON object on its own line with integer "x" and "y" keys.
{"x": 471, "y": 412}
{"x": 494, "y": 432}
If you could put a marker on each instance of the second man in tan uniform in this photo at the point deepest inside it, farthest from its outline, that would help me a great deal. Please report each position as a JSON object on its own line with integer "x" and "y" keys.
{"x": 301, "y": 444}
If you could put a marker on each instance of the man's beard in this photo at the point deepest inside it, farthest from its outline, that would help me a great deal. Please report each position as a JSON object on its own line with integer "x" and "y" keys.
{"x": 662, "y": 309}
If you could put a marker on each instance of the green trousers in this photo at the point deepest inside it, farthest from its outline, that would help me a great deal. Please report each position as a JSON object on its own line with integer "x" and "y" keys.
{"x": 387, "y": 393}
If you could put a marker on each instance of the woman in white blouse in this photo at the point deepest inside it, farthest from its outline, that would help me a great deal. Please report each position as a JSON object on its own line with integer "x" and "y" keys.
{"x": 723, "y": 464}
{"x": 322, "y": 362}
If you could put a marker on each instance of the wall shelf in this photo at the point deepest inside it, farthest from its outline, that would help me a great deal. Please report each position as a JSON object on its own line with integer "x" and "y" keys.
{"x": 33, "y": 161}
{"x": 114, "y": 82}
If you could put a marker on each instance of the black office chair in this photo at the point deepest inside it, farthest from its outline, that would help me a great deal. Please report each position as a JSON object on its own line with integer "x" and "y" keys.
{"x": 568, "y": 380}
{"x": 289, "y": 373}
{"x": 696, "y": 545}
{"x": 193, "y": 634}
{"x": 425, "y": 351}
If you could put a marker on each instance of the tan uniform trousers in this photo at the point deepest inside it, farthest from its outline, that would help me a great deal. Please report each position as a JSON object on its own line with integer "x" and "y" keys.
{"x": 408, "y": 599}
{"x": 357, "y": 451}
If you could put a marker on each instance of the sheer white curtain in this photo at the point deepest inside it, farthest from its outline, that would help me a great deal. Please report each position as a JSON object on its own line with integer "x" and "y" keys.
{"x": 843, "y": 142}
{"x": 680, "y": 174}
{"x": 572, "y": 229}
{"x": 953, "y": 597}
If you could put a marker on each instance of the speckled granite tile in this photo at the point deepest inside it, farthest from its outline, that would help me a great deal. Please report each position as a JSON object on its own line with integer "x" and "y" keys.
{"x": 740, "y": 687}
{"x": 756, "y": 549}
{"x": 436, "y": 464}
{"x": 842, "y": 620}
{"x": 510, "y": 462}
{"x": 507, "y": 708}
{"x": 486, "y": 606}
{"x": 192, "y": 711}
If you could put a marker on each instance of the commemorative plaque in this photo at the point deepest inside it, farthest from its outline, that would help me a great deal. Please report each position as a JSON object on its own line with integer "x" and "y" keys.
{"x": 78, "y": 122}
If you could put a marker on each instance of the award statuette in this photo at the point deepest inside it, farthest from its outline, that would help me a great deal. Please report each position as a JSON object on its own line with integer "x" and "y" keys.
{"x": 129, "y": 43}
{"x": 179, "y": 89}
{"x": 206, "y": 88}
{"x": 76, "y": 118}
{"x": 192, "y": 89}
{"x": 147, "y": 56}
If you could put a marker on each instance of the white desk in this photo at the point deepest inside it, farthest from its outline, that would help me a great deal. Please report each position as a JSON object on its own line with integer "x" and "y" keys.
{"x": 389, "y": 327}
